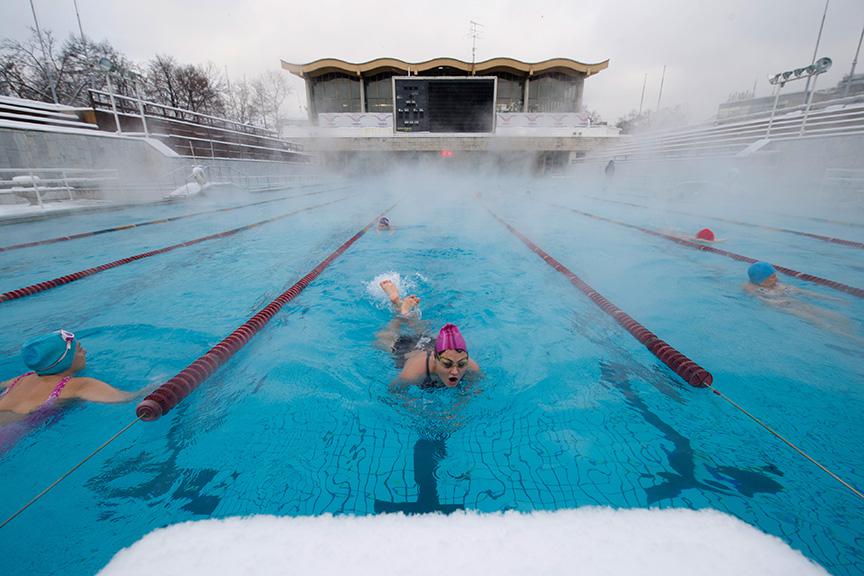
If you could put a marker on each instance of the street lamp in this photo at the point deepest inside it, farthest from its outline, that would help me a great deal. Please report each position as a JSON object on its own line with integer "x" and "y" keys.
{"x": 807, "y": 72}
{"x": 106, "y": 65}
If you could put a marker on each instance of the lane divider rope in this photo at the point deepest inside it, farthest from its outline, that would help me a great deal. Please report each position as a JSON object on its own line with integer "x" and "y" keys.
{"x": 48, "y": 284}
{"x": 854, "y": 291}
{"x": 144, "y": 410}
{"x": 841, "y": 241}
{"x": 688, "y": 370}
{"x": 170, "y": 393}
{"x": 151, "y": 222}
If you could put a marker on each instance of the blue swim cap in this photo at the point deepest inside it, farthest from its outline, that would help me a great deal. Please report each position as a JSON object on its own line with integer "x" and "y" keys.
{"x": 50, "y": 353}
{"x": 760, "y": 271}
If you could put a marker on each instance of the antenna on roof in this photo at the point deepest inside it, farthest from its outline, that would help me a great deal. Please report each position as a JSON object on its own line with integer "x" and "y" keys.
{"x": 475, "y": 34}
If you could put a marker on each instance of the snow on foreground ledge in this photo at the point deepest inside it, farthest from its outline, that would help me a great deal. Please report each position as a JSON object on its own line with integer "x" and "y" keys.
{"x": 596, "y": 541}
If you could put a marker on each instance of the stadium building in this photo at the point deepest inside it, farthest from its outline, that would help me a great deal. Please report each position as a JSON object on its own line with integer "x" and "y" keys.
{"x": 451, "y": 107}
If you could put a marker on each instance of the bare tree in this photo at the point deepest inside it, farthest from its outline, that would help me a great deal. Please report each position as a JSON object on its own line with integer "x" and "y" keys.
{"x": 593, "y": 116}
{"x": 197, "y": 88}
{"x": 269, "y": 93}
{"x": 161, "y": 81}
{"x": 201, "y": 89}
{"x": 70, "y": 69}
{"x": 25, "y": 70}
{"x": 242, "y": 107}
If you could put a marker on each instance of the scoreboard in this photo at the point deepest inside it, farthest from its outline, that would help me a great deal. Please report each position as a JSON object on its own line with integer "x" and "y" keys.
{"x": 444, "y": 105}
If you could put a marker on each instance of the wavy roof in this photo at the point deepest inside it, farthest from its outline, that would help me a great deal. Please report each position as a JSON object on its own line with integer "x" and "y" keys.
{"x": 325, "y": 65}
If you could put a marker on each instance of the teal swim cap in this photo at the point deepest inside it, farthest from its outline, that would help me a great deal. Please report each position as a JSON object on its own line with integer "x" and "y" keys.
{"x": 760, "y": 271}
{"x": 50, "y": 353}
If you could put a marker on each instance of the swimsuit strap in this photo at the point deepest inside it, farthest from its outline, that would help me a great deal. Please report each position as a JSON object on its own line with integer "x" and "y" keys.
{"x": 428, "y": 381}
{"x": 14, "y": 382}
{"x": 59, "y": 388}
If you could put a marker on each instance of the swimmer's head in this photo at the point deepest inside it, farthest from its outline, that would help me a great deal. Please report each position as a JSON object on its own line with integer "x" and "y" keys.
{"x": 705, "y": 234}
{"x": 449, "y": 338}
{"x": 451, "y": 355}
{"x": 762, "y": 274}
{"x": 52, "y": 353}
{"x": 383, "y": 223}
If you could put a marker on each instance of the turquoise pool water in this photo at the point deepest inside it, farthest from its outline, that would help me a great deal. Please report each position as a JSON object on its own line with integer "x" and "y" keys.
{"x": 572, "y": 410}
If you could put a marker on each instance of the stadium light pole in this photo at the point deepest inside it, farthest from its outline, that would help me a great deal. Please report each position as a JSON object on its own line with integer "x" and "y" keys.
{"x": 135, "y": 77}
{"x": 816, "y": 48}
{"x": 854, "y": 62}
{"x": 660, "y": 94}
{"x": 106, "y": 65}
{"x": 781, "y": 78}
{"x": 78, "y": 16}
{"x": 642, "y": 99}
{"x": 48, "y": 72}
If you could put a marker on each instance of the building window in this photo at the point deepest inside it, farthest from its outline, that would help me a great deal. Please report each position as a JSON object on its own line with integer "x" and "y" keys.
{"x": 554, "y": 92}
{"x": 379, "y": 93}
{"x": 511, "y": 90}
{"x": 335, "y": 92}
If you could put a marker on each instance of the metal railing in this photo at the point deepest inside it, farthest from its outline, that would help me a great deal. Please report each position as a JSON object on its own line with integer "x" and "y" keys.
{"x": 193, "y": 133}
{"x": 40, "y": 185}
{"x": 841, "y": 117}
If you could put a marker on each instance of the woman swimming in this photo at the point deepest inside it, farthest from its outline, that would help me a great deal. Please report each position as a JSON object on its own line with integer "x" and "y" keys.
{"x": 53, "y": 359}
{"x": 443, "y": 362}
{"x": 763, "y": 282}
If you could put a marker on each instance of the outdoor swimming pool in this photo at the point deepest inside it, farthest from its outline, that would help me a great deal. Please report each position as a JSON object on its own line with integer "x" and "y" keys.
{"x": 572, "y": 411}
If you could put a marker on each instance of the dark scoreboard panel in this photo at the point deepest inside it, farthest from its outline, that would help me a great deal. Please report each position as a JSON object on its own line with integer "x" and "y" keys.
{"x": 444, "y": 104}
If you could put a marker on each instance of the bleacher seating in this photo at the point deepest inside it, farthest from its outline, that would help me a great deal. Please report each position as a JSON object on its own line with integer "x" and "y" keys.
{"x": 191, "y": 133}
{"x": 743, "y": 137}
{"x": 18, "y": 110}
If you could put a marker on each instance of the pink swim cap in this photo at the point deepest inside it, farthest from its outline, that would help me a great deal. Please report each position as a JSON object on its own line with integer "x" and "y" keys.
{"x": 449, "y": 338}
{"x": 705, "y": 234}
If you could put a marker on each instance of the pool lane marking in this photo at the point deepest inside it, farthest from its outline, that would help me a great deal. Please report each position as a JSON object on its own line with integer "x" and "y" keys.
{"x": 687, "y": 369}
{"x": 151, "y": 222}
{"x": 788, "y": 443}
{"x": 67, "y": 473}
{"x": 735, "y": 256}
{"x": 175, "y": 389}
{"x": 841, "y": 241}
{"x": 693, "y": 369}
{"x": 144, "y": 410}
{"x": 48, "y": 284}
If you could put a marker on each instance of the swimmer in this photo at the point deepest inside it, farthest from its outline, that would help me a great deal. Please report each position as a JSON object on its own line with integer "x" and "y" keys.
{"x": 428, "y": 363}
{"x": 384, "y": 225}
{"x": 53, "y": 359}
{"x": 706, "y": 235}
{"x": 763, "y": 282}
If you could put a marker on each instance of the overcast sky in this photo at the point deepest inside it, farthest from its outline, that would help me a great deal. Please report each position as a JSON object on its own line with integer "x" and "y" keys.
{"x": 711, "y": 48}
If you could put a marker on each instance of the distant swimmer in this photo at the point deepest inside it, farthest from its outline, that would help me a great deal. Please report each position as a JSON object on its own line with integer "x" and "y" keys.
{"x": 706, "y": 235}
{"x": 763, "y": 282}
{"x": 53, "y": 359}
{"x": 424, "y": 362}
{"x": 610, "y": 169}
{"x": 384, "y": 224}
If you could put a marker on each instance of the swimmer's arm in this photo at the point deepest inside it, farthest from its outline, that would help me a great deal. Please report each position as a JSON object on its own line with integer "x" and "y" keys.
{"x": 412, "y": 373}
{"x": 474, "y": 370}
{"x": 812, "y": 294}
{"x": 98, "y": 391}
